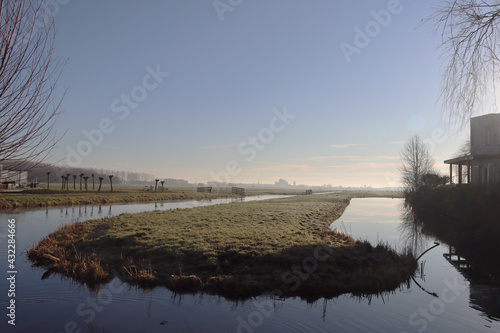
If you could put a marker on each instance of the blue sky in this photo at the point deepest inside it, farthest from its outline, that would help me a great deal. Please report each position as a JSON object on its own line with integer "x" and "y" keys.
{"x": 252, "y": 90}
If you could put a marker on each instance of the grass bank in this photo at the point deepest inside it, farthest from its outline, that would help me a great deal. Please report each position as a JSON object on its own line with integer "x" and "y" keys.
{"x": 235, "y": 250}
{"x": 121, "y": 194}
{"x": 44, "y": 198}
{"x": 466, "y": 217}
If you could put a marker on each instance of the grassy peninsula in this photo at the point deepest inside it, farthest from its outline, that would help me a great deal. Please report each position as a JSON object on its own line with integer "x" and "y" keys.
{"x": 236, "y": 250}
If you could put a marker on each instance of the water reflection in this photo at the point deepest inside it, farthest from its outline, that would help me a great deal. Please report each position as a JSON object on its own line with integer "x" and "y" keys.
{"x": 56, "y": 300}
{"x": 485, "y": 299}
{"x": 411, "y": 235}
{"x": 416, "y": 235}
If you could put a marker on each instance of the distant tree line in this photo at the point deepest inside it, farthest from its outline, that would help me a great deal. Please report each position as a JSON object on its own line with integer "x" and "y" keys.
{"x": 43, "y": 170}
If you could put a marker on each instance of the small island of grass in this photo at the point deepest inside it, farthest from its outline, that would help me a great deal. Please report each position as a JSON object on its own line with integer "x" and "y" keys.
{"x": 240, "y": 250}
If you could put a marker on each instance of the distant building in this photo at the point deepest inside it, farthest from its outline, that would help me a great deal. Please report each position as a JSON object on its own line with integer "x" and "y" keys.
{"x": 482, "y": 165}
{"x": 281, "y": 183}
{"x": 13, "y": 177}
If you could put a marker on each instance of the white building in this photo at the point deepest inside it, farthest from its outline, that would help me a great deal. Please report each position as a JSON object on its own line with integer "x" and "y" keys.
{"x": 483, "y": 163}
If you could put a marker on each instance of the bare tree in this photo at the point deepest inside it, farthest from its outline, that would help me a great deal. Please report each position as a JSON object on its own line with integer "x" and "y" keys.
{"x": 28, "y": 75}
{"x": 100, "y": 183}
{"x": 111, "y": 182}
{"x": 470, "y": 40}
{"x": 416, "y": 161}
{"x": 464, "y": 149}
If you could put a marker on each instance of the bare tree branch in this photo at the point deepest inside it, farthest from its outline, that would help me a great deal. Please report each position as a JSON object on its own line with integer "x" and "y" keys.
{"x": 470, "y": 37}
{"x": 28, "y": 76}
{"x": 464, "y": 149}
{"x": 416, "y": 161}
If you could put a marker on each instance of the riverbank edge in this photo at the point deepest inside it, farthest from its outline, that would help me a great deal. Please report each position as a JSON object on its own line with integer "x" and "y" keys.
{"x": 57, "y": 198}
{"x": 466, "y": 217}
{"x": 330, "y": 265}
{"x": 32, "y": 199}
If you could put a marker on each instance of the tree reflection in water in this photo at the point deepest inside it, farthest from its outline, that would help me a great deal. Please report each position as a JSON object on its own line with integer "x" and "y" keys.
{"x": 411, "y": 233}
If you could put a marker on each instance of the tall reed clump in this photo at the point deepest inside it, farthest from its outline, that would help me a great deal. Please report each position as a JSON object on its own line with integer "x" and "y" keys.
{"x": 139, "y": 274}
{"x": 57, "y": 252}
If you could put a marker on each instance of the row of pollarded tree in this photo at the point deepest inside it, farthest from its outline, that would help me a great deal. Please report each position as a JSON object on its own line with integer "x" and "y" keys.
{"x": 156, "y": 184}
{"x": 66, "y": 180}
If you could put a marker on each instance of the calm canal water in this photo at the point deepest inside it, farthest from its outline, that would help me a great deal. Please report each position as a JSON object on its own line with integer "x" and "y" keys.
{"x": 440, "y": 300}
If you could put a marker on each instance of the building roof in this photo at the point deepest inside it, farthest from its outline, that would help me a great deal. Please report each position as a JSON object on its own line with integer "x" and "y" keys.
{"x": 467, "y": 158}
{"x": 488, "y": 115}
{"x": 456, "y": 160}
